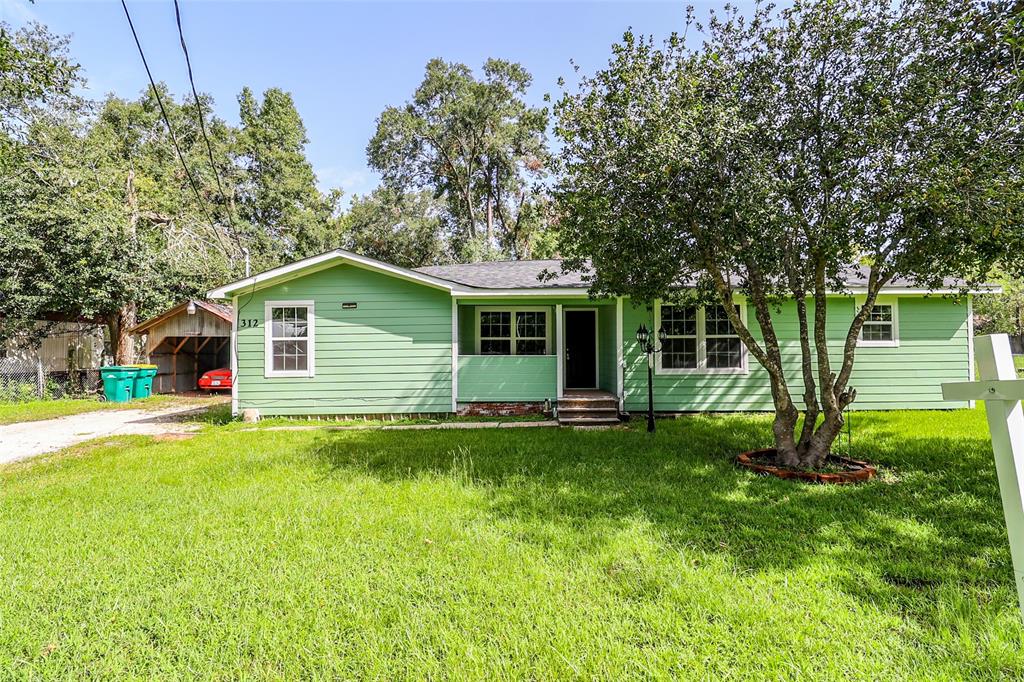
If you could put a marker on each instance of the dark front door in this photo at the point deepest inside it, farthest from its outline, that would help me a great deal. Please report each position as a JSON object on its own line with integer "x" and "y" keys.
{"x": 581, "y": 349}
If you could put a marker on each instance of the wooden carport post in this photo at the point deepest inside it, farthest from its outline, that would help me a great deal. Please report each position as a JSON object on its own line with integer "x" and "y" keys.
{"x": 174, "y": 365}
{"x": 195, "y": 358}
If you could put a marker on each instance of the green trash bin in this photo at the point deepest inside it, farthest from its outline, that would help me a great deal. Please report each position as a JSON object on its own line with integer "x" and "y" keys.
{"x": 117, "y": 383}
{"x": 142, "y": 385}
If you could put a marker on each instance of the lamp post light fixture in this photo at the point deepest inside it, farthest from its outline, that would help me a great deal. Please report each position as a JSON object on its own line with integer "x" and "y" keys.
{"x": 645, "y": 339}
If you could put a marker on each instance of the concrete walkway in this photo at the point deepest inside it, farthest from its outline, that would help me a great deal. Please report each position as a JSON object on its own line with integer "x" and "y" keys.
{"x": 408, "y": 427}
{"x": 28, "y": 439}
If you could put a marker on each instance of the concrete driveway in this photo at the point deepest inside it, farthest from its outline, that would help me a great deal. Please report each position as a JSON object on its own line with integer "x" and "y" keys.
{"x": 28, "y": 439}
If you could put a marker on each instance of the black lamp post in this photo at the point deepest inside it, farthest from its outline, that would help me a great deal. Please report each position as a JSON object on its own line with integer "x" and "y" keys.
{"x": 645, "y": 338}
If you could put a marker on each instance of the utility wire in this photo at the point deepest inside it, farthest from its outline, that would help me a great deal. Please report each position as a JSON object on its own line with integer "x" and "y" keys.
{"x": 202, "y": 128}
{"x": 174, "y": 138}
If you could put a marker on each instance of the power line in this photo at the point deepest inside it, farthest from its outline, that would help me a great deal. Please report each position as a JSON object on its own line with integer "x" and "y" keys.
{"x": 174, "y": 138}
{"x": 202, "y": 128}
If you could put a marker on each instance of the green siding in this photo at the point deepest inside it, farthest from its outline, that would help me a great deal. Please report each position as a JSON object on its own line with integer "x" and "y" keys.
{"x": 498, "y": 378}
{"x": 392, "y": 354}
{"x": 506, "y": 378}
{"x": 934, "y": 339}
{"x": 467, "y": 329}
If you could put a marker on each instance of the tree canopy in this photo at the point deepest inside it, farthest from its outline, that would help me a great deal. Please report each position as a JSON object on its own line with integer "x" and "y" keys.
{"x": 788, "y": 147}
{"x": 478, "y": 146}
{"x": 98, "y": 218}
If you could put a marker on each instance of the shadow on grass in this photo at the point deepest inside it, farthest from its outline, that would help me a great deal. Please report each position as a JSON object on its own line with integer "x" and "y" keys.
{"x": 933, "y": 519}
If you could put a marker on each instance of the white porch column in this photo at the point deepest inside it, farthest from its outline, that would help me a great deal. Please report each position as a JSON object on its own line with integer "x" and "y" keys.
{"x": 455, "y": 355}
{"x": 234, "y": 356}
{"x": 559, "y": 351}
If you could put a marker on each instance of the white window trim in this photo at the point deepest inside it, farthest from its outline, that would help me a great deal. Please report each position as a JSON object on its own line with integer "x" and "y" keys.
{"x": 880, "y": 300}
{"x": 702, "y": 348}
{"x": 268, "y": 346}
{"x": 512, "y": 310}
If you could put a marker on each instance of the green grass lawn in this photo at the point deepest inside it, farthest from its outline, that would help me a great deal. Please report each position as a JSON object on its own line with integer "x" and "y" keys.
{"x": 36, "y": 410}
{"x": 518, "y": 553}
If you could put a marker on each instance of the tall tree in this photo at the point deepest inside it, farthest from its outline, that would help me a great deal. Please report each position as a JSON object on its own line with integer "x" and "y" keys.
{"x": 475, "y": 143}
{"x": 409, "y": 229}
{"x": 787, "y": 148}
{"x": 277, "y": 192}
{"x": 37, "y": 81}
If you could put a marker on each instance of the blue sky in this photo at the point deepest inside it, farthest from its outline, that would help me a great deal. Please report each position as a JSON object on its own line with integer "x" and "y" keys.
{"x": 344, "y": 62}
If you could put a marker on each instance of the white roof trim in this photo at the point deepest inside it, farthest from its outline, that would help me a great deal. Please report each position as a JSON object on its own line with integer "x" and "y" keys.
{"x": 297, "y": 268}
{"x": 474, "y": 292}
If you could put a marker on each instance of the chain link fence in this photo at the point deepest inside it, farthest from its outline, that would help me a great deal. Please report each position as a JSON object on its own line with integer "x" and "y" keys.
{"x": 22, "y": 380}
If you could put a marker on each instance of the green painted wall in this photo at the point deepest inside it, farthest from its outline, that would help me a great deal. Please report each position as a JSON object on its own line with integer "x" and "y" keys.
{"x": 933, "y": 349}
{"x": 393, "y": 354}
{"x": 498, "y": 378}
{"x": 467, "y": 331}
{"x": 504, "y": 378}
{"x": 390, "y": 355}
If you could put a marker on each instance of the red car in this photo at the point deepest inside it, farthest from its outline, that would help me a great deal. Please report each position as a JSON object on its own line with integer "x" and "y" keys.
{"x": 216, "y": 380}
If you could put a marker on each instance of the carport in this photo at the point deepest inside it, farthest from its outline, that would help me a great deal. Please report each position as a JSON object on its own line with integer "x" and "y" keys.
{"x": 185, "y": 342}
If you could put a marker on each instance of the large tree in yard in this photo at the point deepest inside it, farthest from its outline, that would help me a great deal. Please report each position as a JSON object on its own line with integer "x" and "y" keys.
{"x": 787, "y": 148}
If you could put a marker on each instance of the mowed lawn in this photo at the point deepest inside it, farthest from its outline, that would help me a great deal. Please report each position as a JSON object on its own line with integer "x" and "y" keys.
{"x": 508, "y": 553}
{"x": 38, "y": 410}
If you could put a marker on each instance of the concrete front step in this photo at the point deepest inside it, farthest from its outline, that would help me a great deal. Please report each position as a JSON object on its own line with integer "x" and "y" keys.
{"x": 576, "y": 413}
{"x": 588, "y": 421}
{"x": 596, "y": 408}
{"x": 588, "y": 404}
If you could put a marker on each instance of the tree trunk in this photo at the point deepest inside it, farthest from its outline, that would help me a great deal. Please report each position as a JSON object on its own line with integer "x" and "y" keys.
{"x": 490, "y": 222}
{"x": 119, "y": 324}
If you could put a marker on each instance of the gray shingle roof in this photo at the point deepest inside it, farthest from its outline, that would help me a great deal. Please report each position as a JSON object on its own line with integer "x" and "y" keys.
{"x": 525, "y": 274}
{"x": 522, "y": 274}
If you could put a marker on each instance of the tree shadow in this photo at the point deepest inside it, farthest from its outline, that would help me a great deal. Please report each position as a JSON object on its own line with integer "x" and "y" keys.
{"x": 932, "y": 520}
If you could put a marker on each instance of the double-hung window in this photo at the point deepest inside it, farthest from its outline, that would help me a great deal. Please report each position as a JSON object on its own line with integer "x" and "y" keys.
{"x": 513, "y": 332}
{"x": 881, "y": 328}
{"x": 289, "y": 339}
{"x": 699, "y": 339}
{"x": 679, "y": 350}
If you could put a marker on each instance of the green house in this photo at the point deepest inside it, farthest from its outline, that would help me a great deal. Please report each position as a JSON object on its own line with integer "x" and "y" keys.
{"x": 343, "y": 334}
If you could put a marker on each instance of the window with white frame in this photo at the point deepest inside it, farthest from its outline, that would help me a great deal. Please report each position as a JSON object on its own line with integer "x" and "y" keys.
{"x": 679, "y": 349}
{"x": 724, "y": 350}
{"x": 289, "y": 338}
{"x": 513, "y": 332}
{"x": 881, "y": 327}
{"x": 699, "y": 339}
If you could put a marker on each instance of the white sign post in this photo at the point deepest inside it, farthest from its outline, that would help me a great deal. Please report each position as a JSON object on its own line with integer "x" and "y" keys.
{"x": 1002, "y": 393}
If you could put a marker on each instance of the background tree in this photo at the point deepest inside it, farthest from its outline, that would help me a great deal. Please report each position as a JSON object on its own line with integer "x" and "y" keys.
{"x": 1001, "y": 313}
{"x": 37, "y": 82}
{"x": 289, "y": 217}
{"x": 787, "y": 148}
{"x": 407, "y": 229}
{"x": 477, "y": 145}
{"x": 98, "y": 219}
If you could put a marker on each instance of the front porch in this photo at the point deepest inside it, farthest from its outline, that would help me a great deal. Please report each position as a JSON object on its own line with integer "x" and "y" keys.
{"x": 542, "y": 352}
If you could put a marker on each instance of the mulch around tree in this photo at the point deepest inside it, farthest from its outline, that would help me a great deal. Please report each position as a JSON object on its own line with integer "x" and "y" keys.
{"x": 839, "y": 470}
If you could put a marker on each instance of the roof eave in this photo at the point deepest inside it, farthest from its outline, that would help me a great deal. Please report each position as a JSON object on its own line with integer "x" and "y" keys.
{"x": 308, "y": 265}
